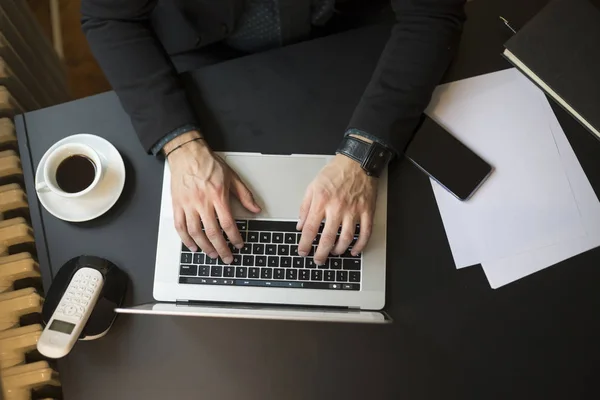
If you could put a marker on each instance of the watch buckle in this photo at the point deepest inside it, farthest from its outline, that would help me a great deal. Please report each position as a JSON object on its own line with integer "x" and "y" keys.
{"x": 377, "y": 158}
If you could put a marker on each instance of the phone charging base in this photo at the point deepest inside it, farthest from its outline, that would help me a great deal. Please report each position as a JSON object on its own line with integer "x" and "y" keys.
{"x": 111, "y": 297}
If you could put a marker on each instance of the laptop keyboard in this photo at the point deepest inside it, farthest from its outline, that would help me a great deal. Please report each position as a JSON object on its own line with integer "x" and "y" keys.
{"x": 270, "y": 258}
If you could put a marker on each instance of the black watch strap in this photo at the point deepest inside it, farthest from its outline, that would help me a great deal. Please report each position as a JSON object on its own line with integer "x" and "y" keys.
{"x": 372, "y": 157}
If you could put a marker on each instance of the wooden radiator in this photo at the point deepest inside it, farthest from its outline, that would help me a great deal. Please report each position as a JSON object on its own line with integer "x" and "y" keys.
{"x": 31, "y": 76}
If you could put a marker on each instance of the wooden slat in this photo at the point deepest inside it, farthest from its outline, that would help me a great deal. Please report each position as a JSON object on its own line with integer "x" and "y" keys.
{"x": 11, "y": 81}
{"x": 9, "y": 106}
{"x": 16, "y": 63}
{"x": 32, "y": 31}
{"x": 8, "y": 138}
{"x": 22, "y": 31}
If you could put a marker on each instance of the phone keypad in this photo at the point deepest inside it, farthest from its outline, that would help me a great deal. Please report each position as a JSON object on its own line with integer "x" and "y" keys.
{"x": 78, "y": 296}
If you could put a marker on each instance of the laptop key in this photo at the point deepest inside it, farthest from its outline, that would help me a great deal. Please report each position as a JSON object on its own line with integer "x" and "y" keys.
{"x": 277, "y": 238}
{"x": 316, "y": 275}
{"x": 335, "y": 263}
{"x": 271, "y": 249}
{"x": 298, "y": 262}
{"x": 279, "y": 273}
{"x": 273, "y": 261}
{"x": 216, "y": 270}
{"x": 272, "y": 226}
{"x": 304, "y": 275}
{"x": 291, "y": 274}
{"x": 253, "y": 237}
{"x": 237, "y": 259}
{"x": 241, "y": 272}
{"x": 266, "y": 273}
{"x": 310, "y": 263}
{"x": 229, "y": 272}
{"x": 330, "y": 276}
{"x": 354, "y": 276}
{"x": 283, "y": 250}
{"x": 352, "y": 264}
{"x": 203, "y": 270}
{"x": 198, "y": 258}
{"x": 188, "y": 270}
{"x": 285, "y": 262}
{"x": 341, "y": 276}
{"x": 316, "y": 239}
{"x": 233, "y": 249}
{"x": 247, "y": 249}
{"x": 186, "y": 258}
{"x": 265, "y": 237}
{"x": 294, "y": 250}
{"x": 258, "y": 249}
{"x": 248, "y": 260}
{"x": 348, "y": 254}
{"x": 290, "y": 238}
{"x": 210, "y": 261}
{"x": 260, "y": 261}
{"x": 241, "y": 225}
{"x": 253, "y": 272}
{"x": 324, "y": 266}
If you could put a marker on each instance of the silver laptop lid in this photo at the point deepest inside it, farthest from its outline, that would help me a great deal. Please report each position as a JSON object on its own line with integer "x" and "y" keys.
{"x": 258, "y": 312}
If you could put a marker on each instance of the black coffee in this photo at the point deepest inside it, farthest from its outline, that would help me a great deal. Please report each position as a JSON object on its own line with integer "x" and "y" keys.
{"x": 75, "y": 173}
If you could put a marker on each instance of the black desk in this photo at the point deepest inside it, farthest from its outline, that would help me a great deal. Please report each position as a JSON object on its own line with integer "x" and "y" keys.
{"x": 453, "y": 336}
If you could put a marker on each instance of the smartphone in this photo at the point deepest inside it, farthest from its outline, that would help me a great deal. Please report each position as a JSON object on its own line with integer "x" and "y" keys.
{"x": 445, "y": 159}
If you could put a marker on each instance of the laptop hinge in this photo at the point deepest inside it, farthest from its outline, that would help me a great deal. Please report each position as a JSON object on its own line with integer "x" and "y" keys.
{"x": 263, "y": 305}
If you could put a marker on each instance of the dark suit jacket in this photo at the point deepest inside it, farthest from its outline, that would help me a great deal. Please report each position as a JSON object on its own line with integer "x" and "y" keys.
{"x": 134, "y": 40}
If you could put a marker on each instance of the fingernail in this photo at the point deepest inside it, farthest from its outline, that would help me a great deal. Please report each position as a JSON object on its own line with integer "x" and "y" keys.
{"x": 213, "y": 255}
{"x": 354, "y": 254}
{"x": 302, "y": 253}
{"x": 228, "y": 260}
{"x": 239, "y": 245}
{"x": 194, "y": 248}
{"x": 317, "y": 262}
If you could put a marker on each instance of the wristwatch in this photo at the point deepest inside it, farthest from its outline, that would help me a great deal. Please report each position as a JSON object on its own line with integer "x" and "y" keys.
{"x": 372, "y": 157}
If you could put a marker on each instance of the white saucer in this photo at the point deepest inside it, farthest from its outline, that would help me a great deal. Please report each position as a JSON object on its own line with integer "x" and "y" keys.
{"x": 101, "y": 198}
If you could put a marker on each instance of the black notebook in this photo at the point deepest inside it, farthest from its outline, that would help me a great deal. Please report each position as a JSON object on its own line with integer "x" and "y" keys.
{"x": 559, "y": 50}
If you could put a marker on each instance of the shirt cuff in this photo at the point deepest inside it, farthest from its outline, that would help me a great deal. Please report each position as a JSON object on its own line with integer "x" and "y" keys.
{"x": 367, "y": 135}
{"x": 158, "y": 146}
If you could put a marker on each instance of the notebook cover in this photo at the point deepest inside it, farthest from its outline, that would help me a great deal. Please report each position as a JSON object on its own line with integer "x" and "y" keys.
{"x": 561, "y": 45}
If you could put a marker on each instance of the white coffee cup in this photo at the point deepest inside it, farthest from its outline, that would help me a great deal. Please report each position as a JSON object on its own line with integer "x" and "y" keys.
{"x": 60, "y": 154}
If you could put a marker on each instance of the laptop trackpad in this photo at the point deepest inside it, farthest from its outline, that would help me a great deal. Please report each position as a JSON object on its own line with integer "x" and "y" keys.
{"x": 277, "y": 182}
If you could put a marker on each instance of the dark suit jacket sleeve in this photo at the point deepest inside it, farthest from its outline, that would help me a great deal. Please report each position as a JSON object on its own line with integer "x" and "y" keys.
{"x": 137, "y": 66}
{"x": 422, "y": 44}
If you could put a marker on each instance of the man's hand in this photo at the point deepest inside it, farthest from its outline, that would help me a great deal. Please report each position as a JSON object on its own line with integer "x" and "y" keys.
{"x": 342, "y": 194}
{"x": 200, "y": 185}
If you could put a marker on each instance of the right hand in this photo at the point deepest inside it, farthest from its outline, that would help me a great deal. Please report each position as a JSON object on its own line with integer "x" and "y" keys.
{"x": 200, "y": 185}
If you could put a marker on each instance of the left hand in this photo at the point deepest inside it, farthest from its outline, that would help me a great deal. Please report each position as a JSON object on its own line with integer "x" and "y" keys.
{"x": 342, "y": 194}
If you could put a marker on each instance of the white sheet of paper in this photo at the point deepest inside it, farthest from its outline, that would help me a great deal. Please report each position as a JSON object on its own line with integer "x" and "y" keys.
{"x": 527, "y": 203}
{"x": 510, "y": 269}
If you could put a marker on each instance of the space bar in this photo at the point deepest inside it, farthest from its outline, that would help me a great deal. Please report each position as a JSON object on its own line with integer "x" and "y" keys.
{"x": 273, "y": 226}
{"x": 252, "y": 282}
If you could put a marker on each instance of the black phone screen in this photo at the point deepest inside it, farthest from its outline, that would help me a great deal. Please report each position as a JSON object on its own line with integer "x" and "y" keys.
{"x": 441, "y": 156}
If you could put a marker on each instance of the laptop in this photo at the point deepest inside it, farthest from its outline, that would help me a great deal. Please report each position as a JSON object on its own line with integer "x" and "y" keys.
{"x": 268, "y": 279}
{"x": 236, "y": 100}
